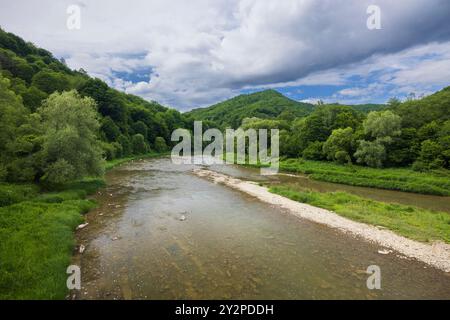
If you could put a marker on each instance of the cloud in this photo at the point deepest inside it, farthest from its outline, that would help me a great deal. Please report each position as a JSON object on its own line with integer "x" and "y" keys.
{"x": 199, "y": 51}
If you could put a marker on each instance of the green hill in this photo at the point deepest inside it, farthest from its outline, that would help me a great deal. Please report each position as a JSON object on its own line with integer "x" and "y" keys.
{"x": 34, "y": 73}
{"x": 265, "y": 104}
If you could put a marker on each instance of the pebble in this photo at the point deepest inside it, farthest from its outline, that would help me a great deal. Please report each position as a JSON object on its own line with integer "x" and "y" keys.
{"x": 81, "y": 226}
{"x": 384, "y": 251}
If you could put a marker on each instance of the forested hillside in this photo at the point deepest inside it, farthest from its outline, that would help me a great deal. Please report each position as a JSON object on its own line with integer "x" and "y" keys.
{"x": 267, "y": 104}
{"x": 32, "y": 83}
{"x": 415, "y": 132}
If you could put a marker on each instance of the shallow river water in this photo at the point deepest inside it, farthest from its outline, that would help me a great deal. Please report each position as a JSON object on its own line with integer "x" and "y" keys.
{"x": 162, "y": 233}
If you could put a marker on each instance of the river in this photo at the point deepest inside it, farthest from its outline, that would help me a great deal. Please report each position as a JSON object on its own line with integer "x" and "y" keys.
{"x": 160, "y": 232}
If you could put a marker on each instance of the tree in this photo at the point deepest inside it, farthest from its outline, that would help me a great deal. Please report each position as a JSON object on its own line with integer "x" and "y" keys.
{"x": 382, "y": 125}
{"x": 12, "y": 115}
{"x": 125, "y": 142}
{"x": 371, "y": 153}
{"x": 160, "y": 144}
{"x": 338, "y": 146}
{"x": 314, "y": 151}
{"x": 33, "y": 97}
{"x": 50, "y": 81}
{"x": 71, "y": 149}
{"x": 110, "y": 129}
{"x": 139, "y": 145}
{"x": 140, "y": 127}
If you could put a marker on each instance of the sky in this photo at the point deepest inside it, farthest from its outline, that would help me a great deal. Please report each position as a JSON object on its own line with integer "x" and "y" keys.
{"x": 189, "y": 54}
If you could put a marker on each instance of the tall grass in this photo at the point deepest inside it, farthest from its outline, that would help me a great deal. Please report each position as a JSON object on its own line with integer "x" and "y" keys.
{"x": 36, "y": 239}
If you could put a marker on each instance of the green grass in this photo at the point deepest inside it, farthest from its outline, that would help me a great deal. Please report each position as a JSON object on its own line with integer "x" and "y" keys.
{"x": 414, "y": 223}
{"x": 14, "y": 193}
{"x": 36, "y": 241}
{"x": 401, "y": 179}
{"x": 37, "y": 234}
{"x": 36, "y": 238}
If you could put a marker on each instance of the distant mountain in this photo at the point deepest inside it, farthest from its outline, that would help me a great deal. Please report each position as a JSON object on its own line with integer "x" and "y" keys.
{"x": 265, "y": 104}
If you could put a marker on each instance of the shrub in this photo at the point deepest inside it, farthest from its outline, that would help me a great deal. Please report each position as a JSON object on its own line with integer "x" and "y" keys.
{"x": 160, "y": 144}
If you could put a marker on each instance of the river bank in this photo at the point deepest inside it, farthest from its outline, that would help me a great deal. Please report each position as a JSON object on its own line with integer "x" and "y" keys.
{"x": 437, "y": 254}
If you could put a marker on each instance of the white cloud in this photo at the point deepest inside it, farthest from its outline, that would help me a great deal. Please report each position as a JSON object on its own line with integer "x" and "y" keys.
{"x": 203, "y": 51}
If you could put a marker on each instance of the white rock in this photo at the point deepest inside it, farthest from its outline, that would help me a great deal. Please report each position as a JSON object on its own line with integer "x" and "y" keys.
{"x": 384, "y": 251}
{"x": 81, "y": 226}
{"x": 82, "y": 248}
{"x": 183, "y": 217}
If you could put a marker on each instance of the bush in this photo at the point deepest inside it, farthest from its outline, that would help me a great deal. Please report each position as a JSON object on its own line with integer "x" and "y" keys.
{"x": 371, "y": 153}
{"x": 343, "y": 157}
{"x": 160, "y": 144}
{"x": 14, "y": 193}
{"x": 58, "y": 173}
{"x": 139, "y": 145}
{"x": 314, "y": 151}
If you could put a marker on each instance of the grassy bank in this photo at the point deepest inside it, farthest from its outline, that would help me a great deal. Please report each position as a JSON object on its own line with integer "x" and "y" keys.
{"x": 36, "y": 240}
{"x": 37, "y": 235}
{"x": 401, "y": 179}
{"x": 414, "y": 223}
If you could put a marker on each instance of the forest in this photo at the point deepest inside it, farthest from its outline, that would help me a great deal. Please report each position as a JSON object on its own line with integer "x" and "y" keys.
{"x": 59, "y": 125}
{"x": 413, "y": 133}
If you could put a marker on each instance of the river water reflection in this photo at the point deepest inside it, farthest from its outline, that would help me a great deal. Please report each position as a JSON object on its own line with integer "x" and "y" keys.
{"x": 162, "y": 233}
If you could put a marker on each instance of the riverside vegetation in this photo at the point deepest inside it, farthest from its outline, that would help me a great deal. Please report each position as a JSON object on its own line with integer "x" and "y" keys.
{"x": 60, "y": 129}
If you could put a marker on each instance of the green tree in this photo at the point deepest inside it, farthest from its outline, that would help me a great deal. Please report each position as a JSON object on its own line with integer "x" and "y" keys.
{"x": 314, "y": 151}
{"x": 338, "y": 146}
{"x": 12, "y": 114}
{"x": 140, "y": 127}
{"x": 71, "y": 149}
{"x": 382, "y": 125}
{"x": 33, "y": 97}
{"x": 371, "y": 153}
{"x": 139, "y": 144}
{"x": 160, "y": 144}
{"x": 125, "y": 142}
{"x": 109, "y": 128}
{"x": 50, "y": 81}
